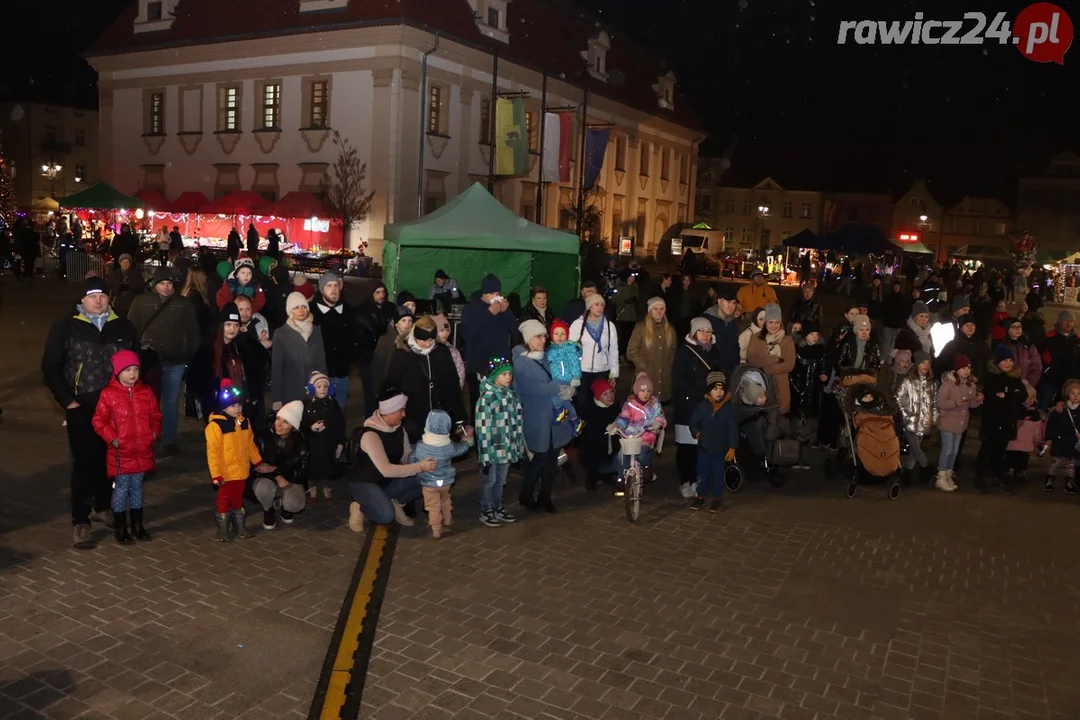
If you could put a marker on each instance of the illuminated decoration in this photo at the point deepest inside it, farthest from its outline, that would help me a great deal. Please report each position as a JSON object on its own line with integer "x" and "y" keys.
{"x": 626, "y": 245}
{"x": 316, "y": 225}
{"x": 1024, "y": 248}
{"x": 941, "y": 334}
{"x": 909, "y": 237}
{"x": 139, "y": 214}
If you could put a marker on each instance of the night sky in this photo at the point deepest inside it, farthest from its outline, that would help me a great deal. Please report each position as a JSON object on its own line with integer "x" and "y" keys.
{"x": 810, "y": 113}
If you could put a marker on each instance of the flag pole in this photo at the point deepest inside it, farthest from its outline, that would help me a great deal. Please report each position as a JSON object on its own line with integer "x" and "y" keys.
{"x": 543, "y": 134}
{"x": 491, "y": 122}
{"x": 581, "y": 165}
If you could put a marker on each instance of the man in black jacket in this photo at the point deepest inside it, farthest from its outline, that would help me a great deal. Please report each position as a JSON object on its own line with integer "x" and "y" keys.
{"x": 487, "y": 326}
{"x": 340, "y": 332}
{"x": 77, "y": 365}
{"x": 576, "y": 307}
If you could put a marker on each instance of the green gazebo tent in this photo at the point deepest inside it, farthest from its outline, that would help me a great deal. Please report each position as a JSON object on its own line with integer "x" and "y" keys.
{"x": 473, "y": 235}
{"x": 101, "y": 196}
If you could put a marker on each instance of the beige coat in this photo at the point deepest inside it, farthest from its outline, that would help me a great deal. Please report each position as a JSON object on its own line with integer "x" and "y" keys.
{"x": 780, "y": 367}
{"x": 657, "y": 358}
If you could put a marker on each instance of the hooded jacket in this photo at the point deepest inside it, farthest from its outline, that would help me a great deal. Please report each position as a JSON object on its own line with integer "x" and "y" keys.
{"x": 952, "y": 416}
{"x": 436, "y": 443}
{"x": 715, "y": 425}
{"x": 230, "y": 448}
{"x": 1000, "y": 415}
{"x": 430, "y": 382}
{"x": 564, "y": 361}
{"x": 917, "y": 399}
{"x": 132, "y": 417}
{"x": 1061, "y": 429}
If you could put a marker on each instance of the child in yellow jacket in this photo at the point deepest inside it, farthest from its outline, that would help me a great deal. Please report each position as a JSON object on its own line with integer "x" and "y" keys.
{"x": 230, "y": 453}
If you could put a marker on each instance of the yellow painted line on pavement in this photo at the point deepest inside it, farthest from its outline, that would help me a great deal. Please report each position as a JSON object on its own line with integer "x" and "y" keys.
{"x": 349, "y": 645}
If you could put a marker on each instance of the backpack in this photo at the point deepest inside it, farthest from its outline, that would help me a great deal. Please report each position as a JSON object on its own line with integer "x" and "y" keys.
{"x": 876, "y": 444}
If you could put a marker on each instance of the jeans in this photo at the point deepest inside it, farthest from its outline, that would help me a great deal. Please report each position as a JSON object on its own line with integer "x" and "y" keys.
{"x": 266, "y": 491}
{"x": 90, "y": 486}
{"x": 172, "y": 378}
{"x": 710, "y": 470}
{"x": 375, "y": 501}
{"x": 492, "y": 481}
{"x": 341, "y": 391}
{"x": 950, "y": 447}
{"x": 888, "y": 339}
{"x": 127, "y": 492}
{"x": 540, "y": 471}
{"x": 644, "y": 457}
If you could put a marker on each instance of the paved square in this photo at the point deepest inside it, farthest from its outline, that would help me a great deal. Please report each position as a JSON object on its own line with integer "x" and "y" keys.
{"x": 797, "y": 603}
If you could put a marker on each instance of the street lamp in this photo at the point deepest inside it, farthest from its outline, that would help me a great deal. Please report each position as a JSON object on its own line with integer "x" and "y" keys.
{"x": 51, "y": 170}
{"x": 763, "y": 212}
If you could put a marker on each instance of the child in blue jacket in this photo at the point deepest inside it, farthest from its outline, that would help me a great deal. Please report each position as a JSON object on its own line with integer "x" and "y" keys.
{"x": 564, "y": 364}
{"x": 716, "y": 428}
{"x": 1063, "y": 436}
{"x": 436, "y": 443}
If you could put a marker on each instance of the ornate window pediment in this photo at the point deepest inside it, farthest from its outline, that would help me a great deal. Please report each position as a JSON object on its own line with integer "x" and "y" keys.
{"x": 490, "y": 17}
{"x": 665, "y": 91}
{"x": 155, "y": 15}
{"x": 596, "y": 56}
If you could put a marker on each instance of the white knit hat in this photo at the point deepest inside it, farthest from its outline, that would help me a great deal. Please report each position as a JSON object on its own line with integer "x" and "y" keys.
{"x": 530, "y": 329}
{"x": 292, "y": 413}
{"x": 653, "y": 302}
{"x": 294, "y": 301}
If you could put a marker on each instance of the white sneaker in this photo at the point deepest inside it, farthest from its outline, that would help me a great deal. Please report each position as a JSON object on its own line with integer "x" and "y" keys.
{"x": 313, "y": 492}
{"x": 327, "y": 495}
{"x": 688, "y": 490}
{"x": 952, "y": 480}
{"x": 942, "y": 482}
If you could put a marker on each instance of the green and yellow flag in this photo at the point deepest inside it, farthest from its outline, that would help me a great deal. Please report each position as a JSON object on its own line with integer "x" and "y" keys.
{"x": 511, "y": 138}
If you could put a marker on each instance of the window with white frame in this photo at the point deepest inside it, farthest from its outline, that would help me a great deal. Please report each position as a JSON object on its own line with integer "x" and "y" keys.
{"x": 228, "y": 107}
{"x": 270, "y": 106}
{"x": 595, "y": 56}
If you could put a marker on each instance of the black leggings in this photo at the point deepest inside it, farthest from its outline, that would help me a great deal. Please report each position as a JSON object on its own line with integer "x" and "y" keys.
{"x": 686, "y": 462}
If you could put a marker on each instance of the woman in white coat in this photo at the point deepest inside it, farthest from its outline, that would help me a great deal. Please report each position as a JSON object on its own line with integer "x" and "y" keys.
{"x": 599, "y": 342}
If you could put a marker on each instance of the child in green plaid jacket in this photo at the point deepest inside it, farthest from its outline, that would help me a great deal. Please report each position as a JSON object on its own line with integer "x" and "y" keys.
{"x": 500, "y": 440}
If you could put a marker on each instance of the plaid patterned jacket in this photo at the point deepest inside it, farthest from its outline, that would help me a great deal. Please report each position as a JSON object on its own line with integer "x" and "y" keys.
{"x": 499, "y": 435}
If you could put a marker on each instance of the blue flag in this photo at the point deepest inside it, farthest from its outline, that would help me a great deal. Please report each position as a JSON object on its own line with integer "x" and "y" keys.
{"x": 596, "y": 141}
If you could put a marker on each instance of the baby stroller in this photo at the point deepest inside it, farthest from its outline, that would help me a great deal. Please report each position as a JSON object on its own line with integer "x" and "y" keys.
{"x": 872, "y": 429}
{"x": 761, "y": 430}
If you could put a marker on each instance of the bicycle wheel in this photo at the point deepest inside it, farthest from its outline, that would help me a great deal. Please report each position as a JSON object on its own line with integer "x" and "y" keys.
{"x": 632, "y": 494}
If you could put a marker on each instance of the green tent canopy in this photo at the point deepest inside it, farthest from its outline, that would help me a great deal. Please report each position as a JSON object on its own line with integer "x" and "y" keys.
{"x": 101, "y": 196}
{"x": 473, "y": 235}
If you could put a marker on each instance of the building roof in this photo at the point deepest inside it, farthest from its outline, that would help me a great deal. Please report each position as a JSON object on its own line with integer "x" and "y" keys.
{"x": 545, "y": 35}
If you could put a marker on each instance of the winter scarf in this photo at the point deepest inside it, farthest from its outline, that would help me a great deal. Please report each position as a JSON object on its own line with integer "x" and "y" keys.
{"x": 304, "y": 327}
{"x": 923, "y": 334}
{"x": 704, "y": 346}
{"x": 773, "y": 342}
{"x": 416, "y": 348}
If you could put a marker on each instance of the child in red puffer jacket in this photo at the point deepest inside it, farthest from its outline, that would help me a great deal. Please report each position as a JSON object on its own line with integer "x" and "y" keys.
{"x": 128, "y": 419}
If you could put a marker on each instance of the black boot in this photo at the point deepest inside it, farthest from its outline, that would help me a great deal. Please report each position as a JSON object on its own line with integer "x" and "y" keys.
{"x": 238, "y": 518}
{"x": 527, "y": 502}
{"x": 137, "y": 526}
{"x": 223, "y": 534}
{"x": 591, "y": 482}
{"x": 120, "y": 529}
{"x": 544, "y": 503}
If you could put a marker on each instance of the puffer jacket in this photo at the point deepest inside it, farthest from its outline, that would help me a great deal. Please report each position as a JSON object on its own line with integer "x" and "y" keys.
{"x": 132, "y": 417}
{"x": 499, "y": 436}
{"x": 638, "y": 420}
{"x": 232, "y": 287}
{"x": 230, "y": 448}
{"x": 952, "y": 416}
{"x": 1001, "y": 415}
{"x": 917, "y": 398}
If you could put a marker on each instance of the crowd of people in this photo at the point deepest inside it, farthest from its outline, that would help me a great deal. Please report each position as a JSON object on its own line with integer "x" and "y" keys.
{"x": 733, "y": 376}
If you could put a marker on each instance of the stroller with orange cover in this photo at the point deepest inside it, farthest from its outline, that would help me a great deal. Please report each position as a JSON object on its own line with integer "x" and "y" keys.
{"x": 873, "y": 430}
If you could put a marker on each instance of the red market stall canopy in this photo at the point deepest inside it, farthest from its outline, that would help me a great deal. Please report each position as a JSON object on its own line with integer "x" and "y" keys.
{"x": 152, "y": 199}
{"x": 190, "y": 202}
{"x": 100, "y": 196}
{"x": 240, "y": 202}
{"x": 300, "y": 205}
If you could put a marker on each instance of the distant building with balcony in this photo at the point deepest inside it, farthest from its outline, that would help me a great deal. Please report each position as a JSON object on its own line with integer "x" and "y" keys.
{"x": 977, "y": 228}
{"x": 1048, "y": 204}
{"x": 762, "y": 216}
{"x": 51, "y": 150}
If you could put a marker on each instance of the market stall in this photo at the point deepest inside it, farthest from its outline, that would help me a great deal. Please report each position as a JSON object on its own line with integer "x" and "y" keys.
{"x": 473, "y": 235}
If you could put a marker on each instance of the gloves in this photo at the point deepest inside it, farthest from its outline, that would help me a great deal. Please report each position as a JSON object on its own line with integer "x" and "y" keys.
{"x": 116, "y": 442}
{"x": 730, "y": 455}
{"x": 612, "y": 429}
{"x": 575, "y": 382}
{"x": 217, "y": 482}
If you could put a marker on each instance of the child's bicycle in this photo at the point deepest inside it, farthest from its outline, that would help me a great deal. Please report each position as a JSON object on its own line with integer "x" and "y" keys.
{"x": 633, "y": 480}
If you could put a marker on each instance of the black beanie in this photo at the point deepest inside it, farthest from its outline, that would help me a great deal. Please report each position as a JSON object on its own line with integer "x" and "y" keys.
{"x": 421, "y": 334}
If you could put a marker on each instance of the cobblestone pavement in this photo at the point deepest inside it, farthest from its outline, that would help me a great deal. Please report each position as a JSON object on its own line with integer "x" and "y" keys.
{"x": 793, "y": 603}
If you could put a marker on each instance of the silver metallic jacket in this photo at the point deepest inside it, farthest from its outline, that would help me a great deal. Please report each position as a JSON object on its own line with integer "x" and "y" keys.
{"x": 917, "y": 399}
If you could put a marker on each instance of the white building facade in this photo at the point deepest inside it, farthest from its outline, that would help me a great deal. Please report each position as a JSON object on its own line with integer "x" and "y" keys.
{"x": 258, "y": 114}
